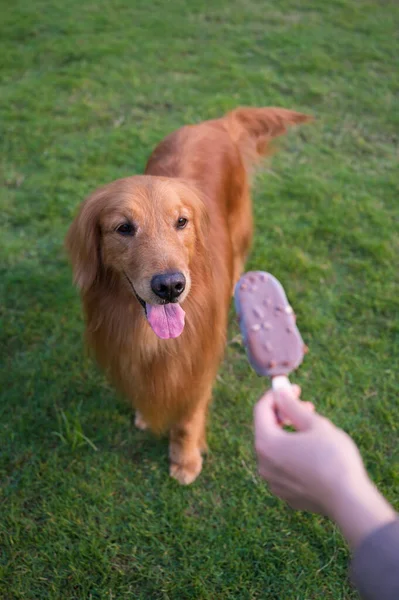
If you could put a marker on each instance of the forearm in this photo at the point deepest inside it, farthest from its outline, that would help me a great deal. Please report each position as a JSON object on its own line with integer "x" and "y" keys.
{"x": 358, "y": 513}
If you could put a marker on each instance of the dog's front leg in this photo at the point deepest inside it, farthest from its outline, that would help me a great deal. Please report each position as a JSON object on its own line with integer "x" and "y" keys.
{"x": 187, "y": 442}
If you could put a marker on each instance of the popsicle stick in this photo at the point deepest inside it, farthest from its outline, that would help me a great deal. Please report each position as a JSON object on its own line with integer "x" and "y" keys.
{"x": 281, "y": 382}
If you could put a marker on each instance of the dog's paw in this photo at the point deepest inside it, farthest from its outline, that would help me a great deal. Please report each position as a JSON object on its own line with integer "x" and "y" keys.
{"x": 139, "y": 422}
{"x": 186, "y": 473}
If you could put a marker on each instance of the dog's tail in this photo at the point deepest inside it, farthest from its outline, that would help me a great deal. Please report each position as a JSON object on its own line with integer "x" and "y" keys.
{"x": 252, "y": 129}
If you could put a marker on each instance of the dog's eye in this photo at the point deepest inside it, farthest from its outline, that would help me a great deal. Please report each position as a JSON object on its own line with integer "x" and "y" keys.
{"x": 181, "y": 223}
{"x": 126, "y": 229}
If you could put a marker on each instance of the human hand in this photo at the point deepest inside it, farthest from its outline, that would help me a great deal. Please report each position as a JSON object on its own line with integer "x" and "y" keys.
{"x": 306, "y": 467}
{"x": 318, "y": 467}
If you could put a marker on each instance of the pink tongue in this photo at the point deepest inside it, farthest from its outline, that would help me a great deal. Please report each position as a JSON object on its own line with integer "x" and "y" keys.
{"x": 166, "y": 320}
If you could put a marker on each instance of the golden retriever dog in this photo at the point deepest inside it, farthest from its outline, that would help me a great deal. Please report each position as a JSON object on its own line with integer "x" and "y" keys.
{"x": 156, "y": 257}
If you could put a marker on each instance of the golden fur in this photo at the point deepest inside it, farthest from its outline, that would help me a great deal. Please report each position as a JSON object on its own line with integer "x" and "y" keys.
{"x": 200, "y": 172}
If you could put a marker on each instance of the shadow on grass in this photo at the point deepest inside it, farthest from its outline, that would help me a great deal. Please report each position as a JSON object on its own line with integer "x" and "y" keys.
{"x": 53, "y": 393}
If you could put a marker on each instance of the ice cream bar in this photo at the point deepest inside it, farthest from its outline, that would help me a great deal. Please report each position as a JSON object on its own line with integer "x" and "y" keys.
{"x": 273, "y": 343}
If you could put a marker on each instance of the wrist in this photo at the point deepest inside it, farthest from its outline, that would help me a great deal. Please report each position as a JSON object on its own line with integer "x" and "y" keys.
{"x": 359, "y": 510}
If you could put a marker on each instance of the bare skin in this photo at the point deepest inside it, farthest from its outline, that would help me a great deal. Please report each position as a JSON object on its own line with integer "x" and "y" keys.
{"x": 318, "y": 467}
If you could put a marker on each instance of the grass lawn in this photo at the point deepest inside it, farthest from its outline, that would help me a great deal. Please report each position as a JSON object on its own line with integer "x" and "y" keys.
{"x": 87, "y": 88}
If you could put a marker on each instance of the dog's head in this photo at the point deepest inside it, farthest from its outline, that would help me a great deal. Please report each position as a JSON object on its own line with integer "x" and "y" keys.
{"x": 145, "y": 230}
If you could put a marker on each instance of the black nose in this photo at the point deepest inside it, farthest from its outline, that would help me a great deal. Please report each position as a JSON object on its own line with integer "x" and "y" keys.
{"x": 168, "y": 286}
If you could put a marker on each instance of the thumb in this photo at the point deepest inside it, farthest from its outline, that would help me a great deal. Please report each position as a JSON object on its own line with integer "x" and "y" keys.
{"x": 265, "y": 417}
{"x": 294, "y": 410}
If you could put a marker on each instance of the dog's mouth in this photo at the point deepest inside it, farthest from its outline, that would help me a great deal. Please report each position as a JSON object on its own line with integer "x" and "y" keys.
{"x": 166, "y": 319}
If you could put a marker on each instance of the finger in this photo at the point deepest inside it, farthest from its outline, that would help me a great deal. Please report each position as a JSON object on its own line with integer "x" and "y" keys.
{"x": 284, "y": 488}
{"x": 268, "y": 472}
{"x": 301, "y": 503}
{"x": 294, "y": 496}
{"x": 298, "y": 413}
{"x": 262, "y": 410}
{"x": 280, "y": 491}
{"x": 308, "y": 405}
{"x": 286, "y": 422}
{"x": 296, "y": 390}
{"x": 265, "y": 417}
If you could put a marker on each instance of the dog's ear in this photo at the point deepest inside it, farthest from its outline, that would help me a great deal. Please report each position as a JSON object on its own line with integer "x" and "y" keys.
{"x": 83, "y": 243}
{"x": 202, "y": 221}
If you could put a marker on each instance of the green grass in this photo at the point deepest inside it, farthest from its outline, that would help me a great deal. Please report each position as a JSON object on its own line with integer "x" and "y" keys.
{"x": 86, "y": 90}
